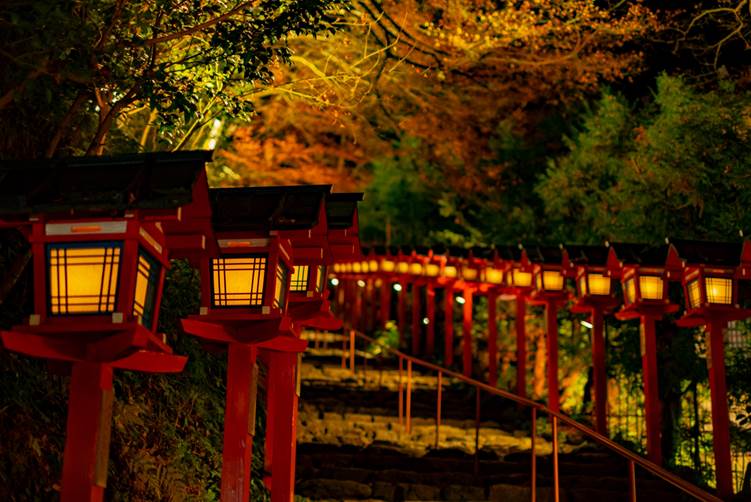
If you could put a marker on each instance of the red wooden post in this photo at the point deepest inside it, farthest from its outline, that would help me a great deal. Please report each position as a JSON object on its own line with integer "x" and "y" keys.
{"x": 87, "y": 433}
{"x": 357, "y": 317}
{"x": 521, "y": 346}
{"x": 430, "y": 328}
{"x": 492, "y": 339}
{"x": 651, "y": 389}
{"x": 370, "y": 312}
{"x": 385, "y": 302}
{"x": 283, "y": 390}
{"x": 551, "y": 321}
{"x": 599, "y": 373}
{"x": 448, "y": 337}
{"x": 416, "y": 319}
{"x": 238, "y": 439}
{"x": 402, "y": 314}
{"x": 467, "y": 333}
{"x": 720, "y": 418}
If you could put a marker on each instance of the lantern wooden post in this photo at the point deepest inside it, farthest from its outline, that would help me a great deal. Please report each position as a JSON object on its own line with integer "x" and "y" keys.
{"x": 370, "y": 319}
{"x": 467, "y": 332}
{"x": 448, "y": 335}
{"x": 402, "y": 313}
{"x": 652, "y": 409}
{"x": 551, "y": 340}
{"x": 88, "y": 430}
{"x": 720, "y": 415}
{"x": 385, "y": 301}
{"x": 239, "y": 422}
{"x": 416, "y": 318}
{"x": 283, "y": 398}
{"x": 430, "y": 311}
{"x": 492, "y": 338}
{"x": 599, "y": 372}
{"x": 520, "y": 323}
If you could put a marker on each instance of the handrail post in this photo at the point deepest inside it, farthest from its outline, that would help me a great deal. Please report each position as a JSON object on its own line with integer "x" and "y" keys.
{"x": 438, "y": 411}
{"x": 556, "y": 487}
{"x": 631, "y": 481}
{"x": 409, "y": 396}
{"x": 401, "y": 392}
{"x": 344, "y": 352}
{"x": 533, "y": 475}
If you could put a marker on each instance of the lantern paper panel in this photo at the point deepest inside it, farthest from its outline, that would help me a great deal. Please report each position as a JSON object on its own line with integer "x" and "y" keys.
{"x": 238, "y": 281}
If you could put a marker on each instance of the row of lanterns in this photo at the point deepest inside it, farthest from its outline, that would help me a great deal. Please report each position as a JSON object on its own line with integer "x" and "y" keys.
{"x": 710, "y": 275}
{"x": 102, "y": 232}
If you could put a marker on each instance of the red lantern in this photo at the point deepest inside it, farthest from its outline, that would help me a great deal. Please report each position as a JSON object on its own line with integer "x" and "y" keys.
{"x": 710, "y": 284}
{"x": 550, "y": 291}
{"x": 588, "y": 266}
{"x": 518, "y": 283}
{"x": 98, "y": 255}
{"x": 644, "y": 279}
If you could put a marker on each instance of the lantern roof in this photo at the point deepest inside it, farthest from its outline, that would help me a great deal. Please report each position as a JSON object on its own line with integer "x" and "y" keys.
{"x": 422, "y": 250}
{"x": 547, "y": 255}
{"x": 713, "y": 254}
{"x": 264, "y": 209}
{"x": 637, "y": 254}
{"x": 341, "y": 208}
{"x": 99, "y": 185}
{"x": 483, "y": 252}
{"x": 510, "y": 252}
{"x": 587, "y": 255}
{"x": 458, "y": 252}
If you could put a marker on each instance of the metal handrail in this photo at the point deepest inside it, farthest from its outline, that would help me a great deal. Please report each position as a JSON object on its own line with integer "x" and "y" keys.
{"x": 633, "y": 458}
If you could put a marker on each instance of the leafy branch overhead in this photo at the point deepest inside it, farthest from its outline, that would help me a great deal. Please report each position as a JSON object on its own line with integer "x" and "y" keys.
{"x": 98, "y": 67}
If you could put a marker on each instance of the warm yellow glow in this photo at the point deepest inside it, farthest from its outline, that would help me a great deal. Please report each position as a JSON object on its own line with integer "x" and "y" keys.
{"x": 651, "y": 287}
{"x": 357, "y": 267}
{"x": 629, "y": 290}
{"x": 388, "y": 266}
{"x": 365, "y": 266}
{"x": 238, "y": 282}
{"x": 83, "y": 280}
{"x": 469, "y": 274}
{"x": 432, "y": 270}
{"x": 373, "y": 266}
{"x": 719, "y": 290}
{"x": 402, "y": 267}
{"x": 337, "y": 267}
{"x": 415, "y": 268}
{"x": 299, "y": 280}
{"x": 494, "y": 275}
{"x": 552, "y": 280}
{"x": 449, "y": 271}
{"x": 599, "y": 284}
{"x": 694, "y": 294}
{"x": 521, "y": 278}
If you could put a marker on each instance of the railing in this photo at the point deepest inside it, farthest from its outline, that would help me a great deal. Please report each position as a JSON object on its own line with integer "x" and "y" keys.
{"x": 405, "y": 409}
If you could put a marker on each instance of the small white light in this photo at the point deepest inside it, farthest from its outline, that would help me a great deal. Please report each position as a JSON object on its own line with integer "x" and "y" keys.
{"x": 425, "y": 321}
{"x": 361, "y": 283}
{"x": 397, "y": 287}
{"x": 334, "y": 281}
{"x": 460, "y": 300}
{"x": 586, "y": 324}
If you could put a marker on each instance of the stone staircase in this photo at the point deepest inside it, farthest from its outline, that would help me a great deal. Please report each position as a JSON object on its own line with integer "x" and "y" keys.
{"x": 351, "y": 445}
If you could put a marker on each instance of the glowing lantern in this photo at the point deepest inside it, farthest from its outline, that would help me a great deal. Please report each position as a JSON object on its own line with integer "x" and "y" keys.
{"x": 710, "y": 273}
{"x": 99, "y": 256}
